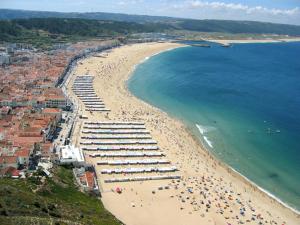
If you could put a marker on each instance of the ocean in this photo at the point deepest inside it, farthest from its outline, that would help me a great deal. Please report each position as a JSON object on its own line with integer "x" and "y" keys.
{"x": 243, "y": 102}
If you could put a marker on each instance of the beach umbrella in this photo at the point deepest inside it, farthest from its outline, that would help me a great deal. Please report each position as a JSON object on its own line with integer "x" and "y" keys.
{"x": 118, "y": 190}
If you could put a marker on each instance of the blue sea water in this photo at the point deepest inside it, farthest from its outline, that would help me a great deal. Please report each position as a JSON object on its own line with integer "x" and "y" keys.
{"x": 243, "y": 102}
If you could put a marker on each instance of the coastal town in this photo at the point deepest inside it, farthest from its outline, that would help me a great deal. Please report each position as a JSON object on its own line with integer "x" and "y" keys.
{"x": 36, "y": 116}
{"x": 149, "y": 112}
{"x": 71, "y": 106}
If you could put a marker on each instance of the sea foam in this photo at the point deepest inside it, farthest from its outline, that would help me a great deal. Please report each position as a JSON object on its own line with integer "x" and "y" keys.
{"x": 208, "y": 141}
{"x": 203, "y": 130}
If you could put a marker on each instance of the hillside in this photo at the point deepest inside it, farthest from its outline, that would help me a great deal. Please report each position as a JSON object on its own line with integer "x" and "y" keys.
{"x": 42, "y": 32}
{"x": 56, "y": 201}
{"x": 224, "y": 26}
{"x": 26, "y": 14}
{"x": 239, "y": 27}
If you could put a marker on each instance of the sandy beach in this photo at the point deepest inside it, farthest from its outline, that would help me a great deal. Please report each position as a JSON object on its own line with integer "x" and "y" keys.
{"x": 208, "y": 193}
{"x": 243, "y": 41}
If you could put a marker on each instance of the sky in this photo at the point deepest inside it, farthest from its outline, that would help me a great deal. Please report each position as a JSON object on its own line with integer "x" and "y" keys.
{"x": 277, "y": 11}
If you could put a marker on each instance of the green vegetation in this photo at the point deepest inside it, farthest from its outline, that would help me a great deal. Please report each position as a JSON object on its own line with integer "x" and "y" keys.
{"x": 26, "y": 14}
{"x": 12, "y": 32}
{"x": 158, "y": 22}
{"x": 24, "y": 27}
{"x": 83, "y": 27}
{"x": 56, "y": 200}
{"x": 43, "y": 32}
{"x": 238, "y": 27}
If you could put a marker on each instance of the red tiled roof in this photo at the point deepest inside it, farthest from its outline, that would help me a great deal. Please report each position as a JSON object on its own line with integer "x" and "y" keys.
{"x": 10, "y": 171}
{"x": 23, "y": 153}
{"x": 27, "y": 141}
{"x": 46, "y": 149}
{"x": 51, "y": 111}
{"x": 8, "y": 159}
{"x": 55, "y": 97}
{"x": 15, "y": 173}
{"x": 90, "y": 179}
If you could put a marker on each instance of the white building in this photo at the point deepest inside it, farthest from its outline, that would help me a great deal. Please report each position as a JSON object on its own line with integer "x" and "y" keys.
{"x": 56, "y": 102}
{"x": 71, "y": 155}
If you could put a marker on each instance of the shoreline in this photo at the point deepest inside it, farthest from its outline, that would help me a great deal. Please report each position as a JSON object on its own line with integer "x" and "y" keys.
{"x": 234, "y": 172}
{"x": 226, "y": 166}
{"x": 253, "y": 41}
{"x": 218, "y": 163}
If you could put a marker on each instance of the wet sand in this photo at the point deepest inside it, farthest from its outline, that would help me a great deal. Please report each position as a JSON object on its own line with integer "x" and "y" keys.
{"x": 208, "y": 193}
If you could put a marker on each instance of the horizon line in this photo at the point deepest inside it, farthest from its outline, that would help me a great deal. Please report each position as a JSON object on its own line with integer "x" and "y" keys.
{"x": 170, "y": 17}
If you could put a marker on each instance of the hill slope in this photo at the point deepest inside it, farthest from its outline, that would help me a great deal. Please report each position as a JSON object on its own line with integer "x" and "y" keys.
{"x": 226, "y": 26}
{"x": 43, "y": 32}
{"x": 26, "y": 14}
{"x": 57, "y": 201}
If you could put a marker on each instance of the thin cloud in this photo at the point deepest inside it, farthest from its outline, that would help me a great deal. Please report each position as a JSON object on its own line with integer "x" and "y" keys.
{"x": 236, "y": 7}
{"x": 130, "y": 2}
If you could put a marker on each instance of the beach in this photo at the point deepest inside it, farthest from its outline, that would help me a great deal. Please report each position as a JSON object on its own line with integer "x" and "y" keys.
{"x": 208, "y": 193}
{"x": 243, "y": 41}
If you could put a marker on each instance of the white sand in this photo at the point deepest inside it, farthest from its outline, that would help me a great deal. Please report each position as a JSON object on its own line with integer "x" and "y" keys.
{"x": 214, "y": 185}
{"x": 233, "y": 41}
